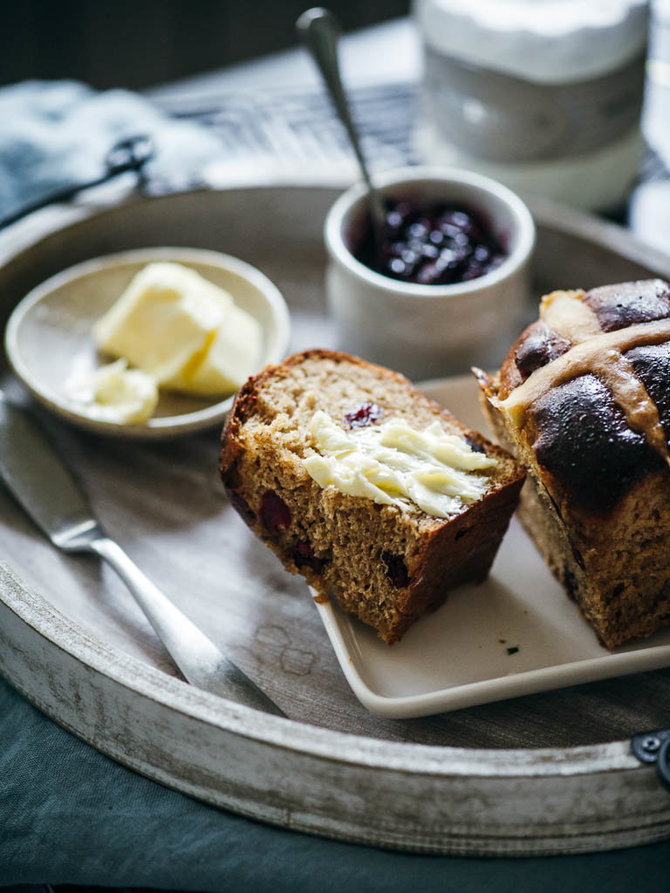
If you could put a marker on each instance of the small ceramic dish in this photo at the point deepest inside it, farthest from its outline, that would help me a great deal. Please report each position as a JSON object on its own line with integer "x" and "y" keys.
{"x": 428, "y": 331}
{"x": 49, "y": 338}
{"x": 515, "y": 634}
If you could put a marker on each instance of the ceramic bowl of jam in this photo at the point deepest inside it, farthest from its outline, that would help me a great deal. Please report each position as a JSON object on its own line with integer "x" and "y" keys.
{"x": 446, "y": 283}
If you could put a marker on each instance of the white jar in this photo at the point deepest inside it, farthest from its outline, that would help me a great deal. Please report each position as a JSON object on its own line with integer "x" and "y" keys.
{"x": 543, "y": 95}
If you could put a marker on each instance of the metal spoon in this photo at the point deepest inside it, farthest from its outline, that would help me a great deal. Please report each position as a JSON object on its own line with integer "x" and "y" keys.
{"x": 319, "y": 30}
{"x": 129, "y": 154}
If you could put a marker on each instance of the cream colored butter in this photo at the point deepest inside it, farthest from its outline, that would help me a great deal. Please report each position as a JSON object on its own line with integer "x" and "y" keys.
{"x": 117, "y": 394}
{"x": 183, "y": 330}
{"x": 395, "y": 464}
{"x": 230, "y": 355}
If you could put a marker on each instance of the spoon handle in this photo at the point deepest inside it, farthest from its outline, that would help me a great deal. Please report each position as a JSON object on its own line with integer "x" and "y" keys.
{"x": 320, "y": 30}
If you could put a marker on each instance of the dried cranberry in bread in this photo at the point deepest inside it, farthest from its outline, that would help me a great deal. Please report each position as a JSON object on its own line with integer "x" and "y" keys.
{"x": 386, "y": 562}
{"x": 583, "y": 400}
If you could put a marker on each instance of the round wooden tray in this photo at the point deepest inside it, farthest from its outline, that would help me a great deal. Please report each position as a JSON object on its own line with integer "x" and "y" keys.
{"x": 547, "y": 773}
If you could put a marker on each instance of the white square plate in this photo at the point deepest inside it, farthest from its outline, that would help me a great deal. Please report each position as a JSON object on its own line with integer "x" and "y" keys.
{"x": 516, "y": 634}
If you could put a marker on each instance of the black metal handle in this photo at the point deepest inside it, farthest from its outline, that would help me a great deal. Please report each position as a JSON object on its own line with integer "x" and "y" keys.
{"x": 129, "y": 154}
{"x": 654, "y": 748}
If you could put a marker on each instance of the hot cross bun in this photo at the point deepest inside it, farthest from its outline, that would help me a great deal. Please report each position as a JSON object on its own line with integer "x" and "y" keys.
{"x": 583, "y": 400}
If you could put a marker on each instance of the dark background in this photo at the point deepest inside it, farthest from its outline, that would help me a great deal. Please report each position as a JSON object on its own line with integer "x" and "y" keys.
{"x": 139, "y": 43}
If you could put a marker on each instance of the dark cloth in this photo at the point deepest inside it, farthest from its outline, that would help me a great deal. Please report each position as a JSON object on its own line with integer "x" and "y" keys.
{"x": 69, "y": 815}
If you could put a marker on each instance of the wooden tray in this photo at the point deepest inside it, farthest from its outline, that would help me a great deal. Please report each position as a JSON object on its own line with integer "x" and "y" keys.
{"x": 547, "y": 773}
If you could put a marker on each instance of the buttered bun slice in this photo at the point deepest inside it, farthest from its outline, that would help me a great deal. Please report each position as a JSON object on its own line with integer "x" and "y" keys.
{"x": 376, "y": 495}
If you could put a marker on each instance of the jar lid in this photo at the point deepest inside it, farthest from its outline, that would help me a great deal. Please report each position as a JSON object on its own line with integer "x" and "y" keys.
{"x": 545, "y": 41}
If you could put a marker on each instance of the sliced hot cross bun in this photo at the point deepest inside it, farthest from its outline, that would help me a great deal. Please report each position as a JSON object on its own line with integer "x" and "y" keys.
{"x": 365, "y": 487}
{"x": 583, "y": 400}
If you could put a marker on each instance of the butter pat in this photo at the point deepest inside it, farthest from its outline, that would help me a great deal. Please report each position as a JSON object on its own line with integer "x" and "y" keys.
{"x": 117, "y": 394}
{"x": 395, "y": 464}
{"x": 227, "y": 359}
{"x": 183, "y": 330}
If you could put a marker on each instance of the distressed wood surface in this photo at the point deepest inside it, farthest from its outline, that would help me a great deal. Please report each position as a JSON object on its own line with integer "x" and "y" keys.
{"x": 75, "y": 644}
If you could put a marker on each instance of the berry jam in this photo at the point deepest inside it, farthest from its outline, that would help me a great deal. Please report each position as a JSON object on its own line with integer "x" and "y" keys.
{"x": 439, "y": 244}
